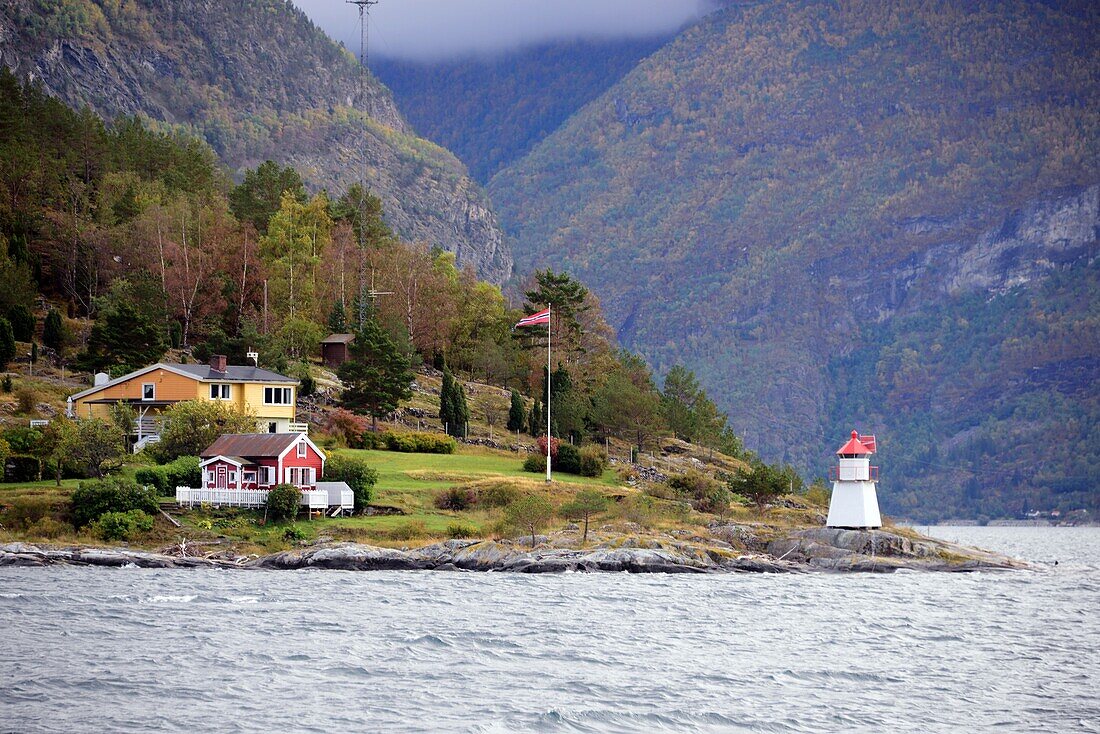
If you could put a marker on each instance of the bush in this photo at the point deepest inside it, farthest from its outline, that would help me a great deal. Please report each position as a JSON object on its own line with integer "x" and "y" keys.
{"x": 122, "y": 525}
{"x": 25, "y": 512}
{"x": 593, "y": 461}
{"x": 535, "y": 463}
{"x": 6, "y": 385}
{"x": 497, "y": 495}
{"x": 294, "y": 534}
{"x": 459, "y": 530}
{"x": 183, "y": 472}
{"x": 27, "y": 400}
{"x": 640, "y": 509}
{"x": 715, "y": 499}
{"x": 21, "y": 469}
{"x": 93, "y": 499}
{"x": 360, "y": 477}
{"x": 349, "y": 427}
{"x": 49, "y": 528}
{"x": 410, "y": 530}
{"x": 568, "y": 459}
{"x": 455, "y": 498}
{"x": 153, "y": 476}
{"x": 371, "y": 440}
{"x": 282, "y": 502}
{"x": 419, "y": 443}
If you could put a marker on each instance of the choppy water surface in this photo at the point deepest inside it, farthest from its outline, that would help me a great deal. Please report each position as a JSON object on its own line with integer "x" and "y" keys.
{"x": 87, "y": 650}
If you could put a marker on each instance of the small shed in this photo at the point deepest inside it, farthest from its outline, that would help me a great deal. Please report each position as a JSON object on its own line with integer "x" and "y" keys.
{"x": 335, "y": 349}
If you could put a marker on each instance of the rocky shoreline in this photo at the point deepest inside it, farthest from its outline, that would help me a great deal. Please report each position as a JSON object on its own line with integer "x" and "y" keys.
{"x": 799, "y": 551}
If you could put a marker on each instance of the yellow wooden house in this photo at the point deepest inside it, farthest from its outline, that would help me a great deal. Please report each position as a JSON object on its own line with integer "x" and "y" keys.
{"x": 271, "y": 397}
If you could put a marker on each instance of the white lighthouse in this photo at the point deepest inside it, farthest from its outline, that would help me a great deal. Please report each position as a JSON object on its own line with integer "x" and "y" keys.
{"x": 855, "y": 502}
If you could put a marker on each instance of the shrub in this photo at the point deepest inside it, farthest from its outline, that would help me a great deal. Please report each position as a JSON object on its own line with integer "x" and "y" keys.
{"x": 183, "y": 472}
{"x": 294, "y": 534}
{"x": 410, "y": 530}
{"x": 460, "y": 530}
{"x": 640, "y": 509}
{"x": 593, "y": 461}
{"x": 95, "y": 498}
{"x": 497, "y": 495}
{"x": 358, "y": 475}
{"x": 554, "y": 445}
{"x": 282, "y": 502}
{"x": 53, "y": 332}
{"x": 455, "y": 498}
{"x": 26, "y": 399}
{"x": 22, "y": 469}
{"x": 6, "y": 384}
{"x": 49, "y": 528}
{"x": 122, "y": 525}
{"x": 819, "y": 494}
{"x": 419, "y": 443}
{"x": 153, "y": 476}
{"x": 715, "y": 499}
{"x": 349, "y": 427}
{"x": 25, "y": 512}
{"x": 535, "y": 463}
{"x": 371, "y": 440}
{"x": 568, "y": 459}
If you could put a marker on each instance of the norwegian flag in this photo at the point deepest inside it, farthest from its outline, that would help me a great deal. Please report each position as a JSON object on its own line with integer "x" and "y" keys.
{"x": 540, "y": 317}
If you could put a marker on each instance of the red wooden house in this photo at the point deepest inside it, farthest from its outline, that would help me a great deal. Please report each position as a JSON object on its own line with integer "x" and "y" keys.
{"x": 259, "y": 461}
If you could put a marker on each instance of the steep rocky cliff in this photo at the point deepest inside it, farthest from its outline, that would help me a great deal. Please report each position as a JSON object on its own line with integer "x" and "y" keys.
{"x": 256, "y": 80}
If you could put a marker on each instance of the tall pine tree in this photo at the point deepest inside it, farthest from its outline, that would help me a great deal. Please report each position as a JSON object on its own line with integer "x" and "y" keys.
{"x": 516, "y": 413}
{"x": 453, "y": 410}
{"x": 377, "y": 377}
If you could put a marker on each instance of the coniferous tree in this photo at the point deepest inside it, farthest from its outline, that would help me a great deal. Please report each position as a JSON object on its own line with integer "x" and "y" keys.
{"x": 534, "y": 421}
{"x": 53, "y": 332}
{"x": 338, "y": 318}
{"x": 7, "y": 343}
{"x": 377, "y": 377}
{"x": 461, "y": 410}
{"x": 516, "y": 414}
{"x": 22, "y": 322}
{"x": 446, "y": 400}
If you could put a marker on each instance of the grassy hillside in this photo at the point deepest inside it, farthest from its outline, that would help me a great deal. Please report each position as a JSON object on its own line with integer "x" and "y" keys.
{"x": 491, "y": 110}
{"x": 792, "y": 197}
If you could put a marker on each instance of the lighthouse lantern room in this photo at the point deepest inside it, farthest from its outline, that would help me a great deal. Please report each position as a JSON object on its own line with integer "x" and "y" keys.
{"x": 855, "y": 501}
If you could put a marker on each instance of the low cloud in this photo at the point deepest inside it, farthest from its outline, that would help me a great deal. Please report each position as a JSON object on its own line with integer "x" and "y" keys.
{"x": 435, "y": 29}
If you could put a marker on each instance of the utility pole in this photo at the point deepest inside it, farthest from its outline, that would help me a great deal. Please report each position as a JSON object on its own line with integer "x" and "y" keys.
{"x": 364, "y": 27}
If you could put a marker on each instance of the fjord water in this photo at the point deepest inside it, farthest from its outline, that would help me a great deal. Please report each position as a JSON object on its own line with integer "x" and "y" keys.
{"x": 146, "y": 650}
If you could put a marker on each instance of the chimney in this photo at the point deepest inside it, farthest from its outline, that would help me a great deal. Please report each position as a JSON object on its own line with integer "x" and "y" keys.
{"x": 217, "y": 362}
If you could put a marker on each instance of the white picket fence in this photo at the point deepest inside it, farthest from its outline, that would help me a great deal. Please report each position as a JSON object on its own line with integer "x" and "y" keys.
{"x": 314, "y": 499}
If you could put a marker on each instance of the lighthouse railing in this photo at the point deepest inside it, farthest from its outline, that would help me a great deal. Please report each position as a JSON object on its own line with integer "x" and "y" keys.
{"x": 853, "y": 473}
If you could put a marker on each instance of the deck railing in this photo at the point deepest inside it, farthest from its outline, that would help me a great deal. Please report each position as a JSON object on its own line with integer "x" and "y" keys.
{"x": 314, "y": 499}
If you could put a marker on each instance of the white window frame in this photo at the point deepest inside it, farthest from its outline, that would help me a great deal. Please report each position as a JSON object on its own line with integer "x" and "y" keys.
{"x": 284, "y": 394}
{"x": 301, "y": 449}
{"x": 153, "y": 391}
{"x": 220, "y": 391}
{"x": 267, "y": 475}
{"x": 232, "y": 478}
{"x": 248, "y": 477}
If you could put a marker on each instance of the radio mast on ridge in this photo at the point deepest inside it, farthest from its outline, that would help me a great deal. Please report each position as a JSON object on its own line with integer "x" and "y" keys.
{"x": 364, "y": 26}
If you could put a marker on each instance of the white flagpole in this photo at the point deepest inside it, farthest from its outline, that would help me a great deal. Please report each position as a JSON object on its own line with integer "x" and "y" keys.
{"x": 548, "y": 393}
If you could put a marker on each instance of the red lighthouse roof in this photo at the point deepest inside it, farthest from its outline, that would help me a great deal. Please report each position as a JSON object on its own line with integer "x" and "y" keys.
{"x": 856, "y": 446}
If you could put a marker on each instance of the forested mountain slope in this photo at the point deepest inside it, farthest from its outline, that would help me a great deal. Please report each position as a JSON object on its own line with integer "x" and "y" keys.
{"x": 256, "y": 80}
{"x": 491, "y": 110}
{"x": 867, "y": 215}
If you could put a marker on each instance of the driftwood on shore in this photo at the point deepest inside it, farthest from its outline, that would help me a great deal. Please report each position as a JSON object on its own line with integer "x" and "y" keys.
{"x": 800, "y": 551}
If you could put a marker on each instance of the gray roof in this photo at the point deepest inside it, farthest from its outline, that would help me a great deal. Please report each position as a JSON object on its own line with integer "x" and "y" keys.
{"x": 338, "y": 339}
{"x": 232, "y": 372}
